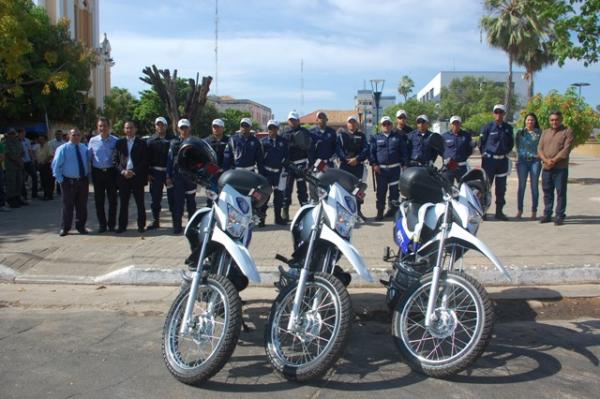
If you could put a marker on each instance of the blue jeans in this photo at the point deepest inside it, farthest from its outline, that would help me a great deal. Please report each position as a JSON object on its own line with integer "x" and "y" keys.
{"x": 531, "y": 168}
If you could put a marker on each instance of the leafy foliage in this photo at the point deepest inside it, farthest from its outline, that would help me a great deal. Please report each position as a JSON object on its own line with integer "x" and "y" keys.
{"x": 405, "y": 86}
{"x": 475, "y": 122}
{"x": 577, "y": 114}
{"x": 413, "y": 108}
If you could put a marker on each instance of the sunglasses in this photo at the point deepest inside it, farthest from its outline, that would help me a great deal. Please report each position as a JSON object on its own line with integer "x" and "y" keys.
{"x": 386, "y": 124}
{"x": 245, "y": 125}
{"x": 401, "y": 117}
{"x": 421, "y": 121}
{"x": 498, "y": 111}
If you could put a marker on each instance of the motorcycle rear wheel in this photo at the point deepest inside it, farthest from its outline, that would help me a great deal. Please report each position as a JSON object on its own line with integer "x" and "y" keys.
{"x": 215, "y": 329}
{"x": 458, "y": 335}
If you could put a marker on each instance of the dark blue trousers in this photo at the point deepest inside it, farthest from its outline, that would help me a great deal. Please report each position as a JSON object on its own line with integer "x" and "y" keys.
{"x": 184, "y": 193}
{"x": 455, "y": 175}
{"x": 387, "y": 178}
{"x": 497, "y": 170}
{"x": 555, "y": 180}
{"x": 156, "y": 192}
{"x": 300, "y": 187}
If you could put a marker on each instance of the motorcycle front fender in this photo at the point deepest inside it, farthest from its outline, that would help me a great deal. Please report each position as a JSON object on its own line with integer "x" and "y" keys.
{"x": 355, "y": 259}
{"x": 238, "y": 253}
{"x": 467, "y": 239}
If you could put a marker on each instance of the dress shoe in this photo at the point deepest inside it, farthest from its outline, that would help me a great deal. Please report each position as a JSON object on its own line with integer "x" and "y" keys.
{"x": 501, "y": 216}
{"x": 534, "y": 215}
{"x": 261, "y": 223}
{"x": 559, "y": 221}
{"x": 153, "y": 225}
{"x": 141, "y": 229}
{"x": 101, "y": 229}
{"x": 379, "y": 216}
{"x": 177, "y": 230}
{"x": 62, "y": 232}
{"x": 546, "y": 219}
{"x": 83, "y": 230}
{"x": 120, "y": 230}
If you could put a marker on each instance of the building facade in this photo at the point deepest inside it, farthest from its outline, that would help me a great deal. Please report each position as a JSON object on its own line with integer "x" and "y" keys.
{"x": 260, "y": 113}
{"x": 335, "y": 118}
{"x": 83, "y": 16}
{"x": 365, "y": 108}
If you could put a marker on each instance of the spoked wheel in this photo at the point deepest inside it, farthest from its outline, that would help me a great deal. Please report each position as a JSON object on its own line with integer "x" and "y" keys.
{"x": 325, "y": 321}
{"x": 460, "y": 329}
{"x": 214, "y": 331}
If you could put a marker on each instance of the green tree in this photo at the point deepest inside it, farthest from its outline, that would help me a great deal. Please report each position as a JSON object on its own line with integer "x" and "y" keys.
{"x": 232, "y": 118}
{"x": 515, "y": 27}
{"x": 469, "y": 96}
{"x": 119, "y": 107}
{"x": 405, "y": 86}
{"x": 413, "y": 108}
{"x": 577, "y": 114}
{"x": 43, "y": 70}
{"x": 534, "y": 60}
{"x": 475, "y": 122}
{"x": 148, "y": 108}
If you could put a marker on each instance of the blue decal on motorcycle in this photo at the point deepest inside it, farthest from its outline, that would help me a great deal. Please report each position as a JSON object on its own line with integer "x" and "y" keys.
{"x": 400, "y": 237}
{"x": 242, "y": 204}
{"x": 350, "y": 203}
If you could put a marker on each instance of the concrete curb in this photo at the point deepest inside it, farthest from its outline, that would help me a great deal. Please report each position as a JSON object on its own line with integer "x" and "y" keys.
{"x": 136, "y": 275}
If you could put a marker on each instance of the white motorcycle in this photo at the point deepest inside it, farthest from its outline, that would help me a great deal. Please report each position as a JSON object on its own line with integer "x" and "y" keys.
{"x": 442, "y": 317}
{"x": 311, "y": 317}
{"x": 203, "y": 324}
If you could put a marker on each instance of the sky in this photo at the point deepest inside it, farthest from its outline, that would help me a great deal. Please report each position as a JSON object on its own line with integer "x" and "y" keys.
{"x": 343, "y": 44}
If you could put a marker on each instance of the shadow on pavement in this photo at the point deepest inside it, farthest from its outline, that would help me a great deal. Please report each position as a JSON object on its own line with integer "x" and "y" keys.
{"x": 582, "y": 219}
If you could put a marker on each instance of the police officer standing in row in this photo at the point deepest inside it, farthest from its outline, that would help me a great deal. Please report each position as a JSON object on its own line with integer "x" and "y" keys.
{"x": 388, "y": 153}
{"x": 299, "y": 157}
{"x": 420, "y": 152}
{"x": 496, "y": 142}
{"x": 218, "y": 141}
{"x": 243, "y": 150}
{"x": 401, "y": 127}
{"x": 458, "y": 147}
{"x": 323, "y": 147}
{"x": 158, "y": 153}
{"x": 184, "y": 190}
{"x": 275, "y": 149}
{"x": 353, "y": 151}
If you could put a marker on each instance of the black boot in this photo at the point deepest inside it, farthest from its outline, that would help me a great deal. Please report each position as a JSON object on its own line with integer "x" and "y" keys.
{"x": 177, "y": 229}
{"x": 391, "y": 212}
{"x": 278, "y": 219}
{"x": 285, "y": 214}
{"x": 500, "y": 215}
{"x": 379, "y": 215}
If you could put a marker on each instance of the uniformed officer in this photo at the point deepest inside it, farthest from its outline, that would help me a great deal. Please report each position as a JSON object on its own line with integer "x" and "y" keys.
{"x": 322, "y": 148}
{"x": 14, "y": 169}
{"x": 275, "y": 149}
{"x": 243, "y": 150}
{"x": 158, "y": 153}
{"x": 401, "y": 126}
{"x": 353, "y": 151}
{"x": 184, "y": 190}
{"x": 496, "y": 142}
{"x": 299, "y": 157}
{"x": 218, "y": 141}
{"x": 458, "y": 147}
{"x": 420, "y": 153}
{"x": 388, "y": 153}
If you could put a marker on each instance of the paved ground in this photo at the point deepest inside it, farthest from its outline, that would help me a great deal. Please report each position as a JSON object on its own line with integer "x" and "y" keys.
{"x": 93, "y": 342}
{"x": 31, "y": 247}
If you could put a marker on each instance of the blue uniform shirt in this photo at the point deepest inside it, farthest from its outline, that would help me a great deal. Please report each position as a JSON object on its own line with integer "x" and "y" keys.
{"x": 457, "y": 146}
{"x": 418, "y": 150}
{"x": 388, "y": 149}
{"x": 276, "y": 152}
{"x": 65, "y": 162}
{"x": 323, "y": 145}
{"x": 243, "y": 152}
{"x": 101, "y": 151}
{"x": 496, "y": 139}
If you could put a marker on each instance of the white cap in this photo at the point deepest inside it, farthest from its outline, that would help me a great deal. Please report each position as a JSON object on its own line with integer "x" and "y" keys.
{"x": 424, "y": 117}
{"x": 385, "y": 119}
{"x": 247, "y": 121}
{"x": 401, "y": 112}
{"x": 321, "y": 113}
{"x": 352, "y": 118}
{"x": 218, "y": 122}
{"x": 455, "y": 118}
{"x": 160, "y": 119}
{"x": 293, "y": 115}
{"x": 272, "y": 122}
{"x": 501, "y": 107}
{"x": 183, "y": 122}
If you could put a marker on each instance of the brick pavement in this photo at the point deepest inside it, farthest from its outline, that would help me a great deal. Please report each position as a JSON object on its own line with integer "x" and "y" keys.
{"x": 30, "y": 245}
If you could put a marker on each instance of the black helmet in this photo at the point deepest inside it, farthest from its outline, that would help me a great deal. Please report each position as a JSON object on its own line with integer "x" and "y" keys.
{"x": 196, "y": 160}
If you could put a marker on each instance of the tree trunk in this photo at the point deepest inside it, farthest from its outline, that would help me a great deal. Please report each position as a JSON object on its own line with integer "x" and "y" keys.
{"x": 530, "y": 84}
{"x": 509, "y": 85}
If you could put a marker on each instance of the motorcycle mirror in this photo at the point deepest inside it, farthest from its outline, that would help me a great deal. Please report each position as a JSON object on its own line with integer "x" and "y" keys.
{"x": 436, "y": 142}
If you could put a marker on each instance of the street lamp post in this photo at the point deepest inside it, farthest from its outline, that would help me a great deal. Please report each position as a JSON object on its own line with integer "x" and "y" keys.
{"x": 377, "y": 88}
{"x": 580, "y": 85}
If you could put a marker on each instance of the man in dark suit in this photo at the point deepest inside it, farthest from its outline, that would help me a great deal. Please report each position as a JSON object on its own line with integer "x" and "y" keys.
{"x": 131, "y": 161}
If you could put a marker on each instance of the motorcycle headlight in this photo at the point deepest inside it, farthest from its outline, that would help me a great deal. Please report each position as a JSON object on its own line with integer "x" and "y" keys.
{"x": 236, "y": 222}
{"x": 474, "y": 215}
{"x": 344, "y": 221}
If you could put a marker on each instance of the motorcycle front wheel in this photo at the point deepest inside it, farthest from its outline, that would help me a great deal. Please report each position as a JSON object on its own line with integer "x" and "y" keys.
{"x": 458, "y": 333}
{"x": 324, "y": 328}
{"x": 214, "y": 331}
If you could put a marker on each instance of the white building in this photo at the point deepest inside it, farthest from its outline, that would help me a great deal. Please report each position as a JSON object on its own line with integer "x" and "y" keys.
{"x": 260, "y": 113}
{"x": 365, "y": 108}
{"x": 84, "y": 21}
{"x": 431, "y": 91}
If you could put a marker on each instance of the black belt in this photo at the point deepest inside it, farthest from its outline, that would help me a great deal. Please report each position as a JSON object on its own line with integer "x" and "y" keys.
{"x": 528, "y": 158}
{"x": 76, "y": 178}
{"x": 105, "y": 169}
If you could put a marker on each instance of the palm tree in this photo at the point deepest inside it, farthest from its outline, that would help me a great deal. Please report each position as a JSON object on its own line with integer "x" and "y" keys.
{"x": 405, "y": 86}
{"x": 512, "y": 26}
{"x": 534, "y": 60}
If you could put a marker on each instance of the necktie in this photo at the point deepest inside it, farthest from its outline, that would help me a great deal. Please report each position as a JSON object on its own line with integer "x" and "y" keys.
{"x": 79, "y": 161}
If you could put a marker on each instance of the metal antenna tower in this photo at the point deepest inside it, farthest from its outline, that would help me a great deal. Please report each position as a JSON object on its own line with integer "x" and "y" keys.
{"x": 217, "y": 47}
